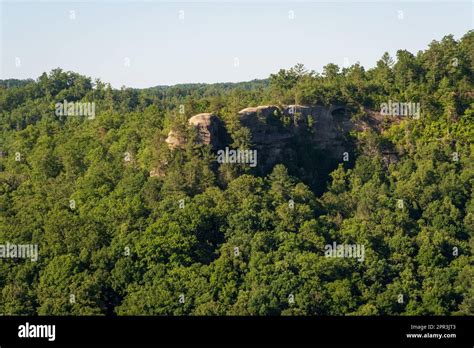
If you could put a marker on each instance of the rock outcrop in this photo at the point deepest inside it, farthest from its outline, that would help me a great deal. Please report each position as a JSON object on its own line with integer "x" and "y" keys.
{"x": 208, "y": 128}
{"x": 174, "y": 140}
{"x": 311, "y": 140}
{"x": 325, "y": 127}
{"x": 265, "y": 124}
{"x": 276, "y": 129}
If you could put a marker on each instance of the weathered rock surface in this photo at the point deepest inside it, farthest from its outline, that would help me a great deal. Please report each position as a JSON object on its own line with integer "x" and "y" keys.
{"x": 208, "y": 128}
{"x": 173, "y": 140}
{"x": 325, "y": 126}
{"x": 310, "y": 140}
{"x": 275, "y": 130}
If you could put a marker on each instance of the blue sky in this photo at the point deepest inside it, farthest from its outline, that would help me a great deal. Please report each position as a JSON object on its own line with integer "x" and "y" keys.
{"x": 146, "y": 43}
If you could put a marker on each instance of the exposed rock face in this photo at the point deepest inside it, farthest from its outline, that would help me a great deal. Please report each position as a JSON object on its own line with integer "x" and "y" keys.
{"x": 274, "y": 127}
{"x": 264, "y": 110}
{"x": 174, "y": 140}
{"x": 310, "y": 139}
{"x": 269, "y": 136}
{"x": 264, "y": 123}
{"x": 208, "y": 128}
{"x": 275, "y": 130}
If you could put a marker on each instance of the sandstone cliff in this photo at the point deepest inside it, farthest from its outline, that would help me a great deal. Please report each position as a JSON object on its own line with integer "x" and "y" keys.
{"x": 273, "y": 128}
{"x": 208, "y": 128}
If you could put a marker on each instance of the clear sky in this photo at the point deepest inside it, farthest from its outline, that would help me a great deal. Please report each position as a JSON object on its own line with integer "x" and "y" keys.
{"x": 149, "y": 43}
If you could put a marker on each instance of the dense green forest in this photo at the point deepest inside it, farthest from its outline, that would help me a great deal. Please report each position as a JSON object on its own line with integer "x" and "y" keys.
{"x": 209, "y": 239}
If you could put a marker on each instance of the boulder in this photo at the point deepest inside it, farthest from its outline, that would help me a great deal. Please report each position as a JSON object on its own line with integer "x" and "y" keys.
{"x": 208, "y": 131}
{"x": 173, "y": 140}
{"x": 208, "y": 126}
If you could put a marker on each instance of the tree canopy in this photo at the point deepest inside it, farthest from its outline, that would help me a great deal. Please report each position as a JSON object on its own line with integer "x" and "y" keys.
{"x": 203, "y": 239}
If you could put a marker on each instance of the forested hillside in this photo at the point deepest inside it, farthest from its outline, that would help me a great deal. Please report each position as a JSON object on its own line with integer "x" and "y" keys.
{"x": 128, "y": 225}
